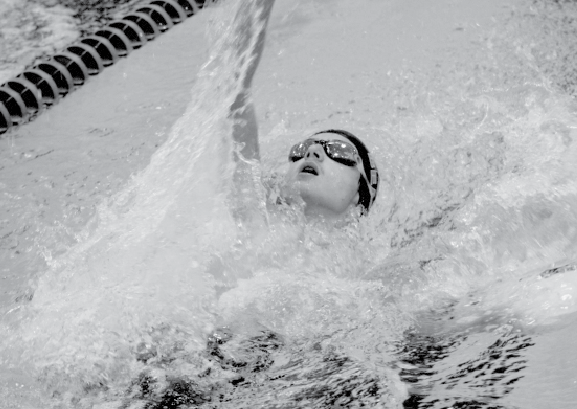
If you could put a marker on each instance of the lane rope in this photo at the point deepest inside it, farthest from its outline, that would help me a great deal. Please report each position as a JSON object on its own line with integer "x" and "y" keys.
{"x": 25, "y": 96}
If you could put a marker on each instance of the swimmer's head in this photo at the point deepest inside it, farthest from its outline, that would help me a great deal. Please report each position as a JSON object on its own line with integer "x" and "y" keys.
{"x": 333, "y": 171}
{"x": 369, "y": 179}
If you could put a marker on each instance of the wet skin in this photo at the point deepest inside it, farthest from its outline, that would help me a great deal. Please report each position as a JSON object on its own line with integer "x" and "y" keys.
{"x": 327, "y": 187}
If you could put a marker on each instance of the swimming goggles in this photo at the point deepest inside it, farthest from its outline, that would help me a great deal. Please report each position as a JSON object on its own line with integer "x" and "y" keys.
{"x": 340, "y": 151}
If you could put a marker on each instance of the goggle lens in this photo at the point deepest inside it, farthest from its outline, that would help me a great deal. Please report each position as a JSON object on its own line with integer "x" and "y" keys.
{"x": 340, "y": 151}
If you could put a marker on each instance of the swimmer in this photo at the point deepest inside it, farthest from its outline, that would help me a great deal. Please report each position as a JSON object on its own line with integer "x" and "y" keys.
{"x": 331, "y": 173}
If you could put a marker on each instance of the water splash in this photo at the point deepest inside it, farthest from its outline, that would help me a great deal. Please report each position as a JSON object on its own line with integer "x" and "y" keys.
{"x": 138, "y": 278}
{"x": 476, "y": 150}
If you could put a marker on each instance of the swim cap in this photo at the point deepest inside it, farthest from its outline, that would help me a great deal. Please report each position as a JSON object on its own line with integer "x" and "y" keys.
{"x": 369, "y": 181}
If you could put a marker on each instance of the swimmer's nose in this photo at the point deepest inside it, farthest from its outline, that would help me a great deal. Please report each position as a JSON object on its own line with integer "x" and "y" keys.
{"x": 315, "y": 152}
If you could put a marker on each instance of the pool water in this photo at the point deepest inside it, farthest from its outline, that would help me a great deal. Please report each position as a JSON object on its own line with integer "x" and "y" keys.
{"x": 32, "y": 30}
{"x": 122, "y": 263}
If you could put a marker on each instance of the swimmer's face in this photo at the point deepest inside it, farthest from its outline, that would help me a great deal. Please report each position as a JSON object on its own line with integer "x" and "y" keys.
{"x": 323, "y": 183}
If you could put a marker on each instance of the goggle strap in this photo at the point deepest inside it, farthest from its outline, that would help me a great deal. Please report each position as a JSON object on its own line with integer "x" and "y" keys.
{"x": 374, "y": 177}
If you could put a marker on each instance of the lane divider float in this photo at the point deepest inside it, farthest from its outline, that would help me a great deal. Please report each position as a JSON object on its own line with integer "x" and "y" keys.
{"x": 25, "y": 96}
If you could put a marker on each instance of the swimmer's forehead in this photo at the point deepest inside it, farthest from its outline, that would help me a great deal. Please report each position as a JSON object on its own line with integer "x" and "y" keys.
{"x": 329, "y": 136}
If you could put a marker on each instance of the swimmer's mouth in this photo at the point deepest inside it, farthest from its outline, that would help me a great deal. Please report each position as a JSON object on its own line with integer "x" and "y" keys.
{"x": 310, "y": 169}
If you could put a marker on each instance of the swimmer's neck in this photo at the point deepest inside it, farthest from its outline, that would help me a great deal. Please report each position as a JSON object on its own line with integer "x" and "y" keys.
{"x": 318, "y": 214}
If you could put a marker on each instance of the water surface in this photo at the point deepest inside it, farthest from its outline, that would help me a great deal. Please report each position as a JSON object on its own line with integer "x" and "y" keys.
{"x": 457, "y": 291}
